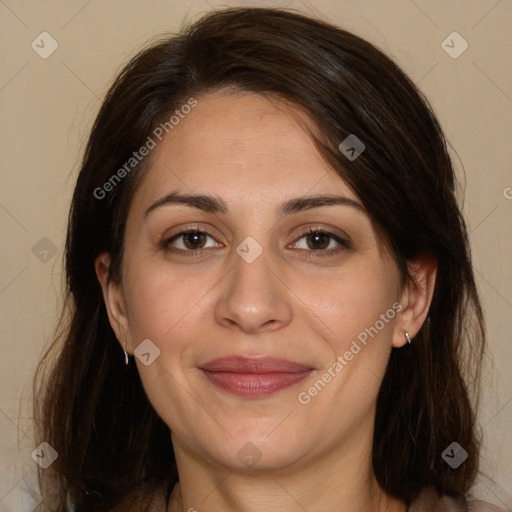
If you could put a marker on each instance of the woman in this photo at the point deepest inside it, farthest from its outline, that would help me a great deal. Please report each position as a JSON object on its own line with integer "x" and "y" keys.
{"x": 272, "y": 305}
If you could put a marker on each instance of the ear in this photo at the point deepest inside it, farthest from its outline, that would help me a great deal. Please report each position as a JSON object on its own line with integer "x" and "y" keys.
{"x": 114, "y": 301}
{"x": 416, "y": 298}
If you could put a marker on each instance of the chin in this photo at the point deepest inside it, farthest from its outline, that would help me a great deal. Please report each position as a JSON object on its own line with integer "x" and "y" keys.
{"x": 260, "y": 448}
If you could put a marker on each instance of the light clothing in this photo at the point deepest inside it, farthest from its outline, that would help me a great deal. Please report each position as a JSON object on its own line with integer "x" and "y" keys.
{"x": 429, "y": 501}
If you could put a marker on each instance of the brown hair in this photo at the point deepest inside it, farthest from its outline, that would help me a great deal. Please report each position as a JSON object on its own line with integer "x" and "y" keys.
{"x": 92, "y": 408}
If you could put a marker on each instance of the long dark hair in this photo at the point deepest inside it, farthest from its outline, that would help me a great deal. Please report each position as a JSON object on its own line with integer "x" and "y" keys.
{"x": 93, "y": 410}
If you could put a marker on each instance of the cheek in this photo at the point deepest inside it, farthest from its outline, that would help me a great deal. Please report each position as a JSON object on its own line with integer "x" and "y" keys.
{"x": 349, "y": 303}
{"x": 158, "y": 300}
{"x": 165, "y": 308}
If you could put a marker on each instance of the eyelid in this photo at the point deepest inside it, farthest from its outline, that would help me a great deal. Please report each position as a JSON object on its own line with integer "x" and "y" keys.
{"x": 167, "y": 240}
{"x": 191, "y": 228}
{"x": 182, "y": 234}
{"x": 335, "y": 233}
{"x": 342, "y": 240}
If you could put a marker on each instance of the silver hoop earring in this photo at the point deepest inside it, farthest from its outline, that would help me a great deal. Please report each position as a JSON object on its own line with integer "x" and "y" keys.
{"x": 126, "y": 359}
{"x": 407, "y": 337}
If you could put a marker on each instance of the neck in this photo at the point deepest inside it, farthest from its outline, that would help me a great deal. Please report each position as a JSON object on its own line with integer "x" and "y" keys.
{"x": 330, "y": 484}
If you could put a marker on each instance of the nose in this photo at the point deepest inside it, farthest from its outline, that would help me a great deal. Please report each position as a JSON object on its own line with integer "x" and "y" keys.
{"x": 254, "y": 299}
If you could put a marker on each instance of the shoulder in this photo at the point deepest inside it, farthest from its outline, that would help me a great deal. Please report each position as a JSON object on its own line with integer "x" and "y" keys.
{"x": 430, "y": 501}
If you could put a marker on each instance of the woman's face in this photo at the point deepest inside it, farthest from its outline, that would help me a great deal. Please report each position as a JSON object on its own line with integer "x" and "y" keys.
{"x": 275, "y": 316}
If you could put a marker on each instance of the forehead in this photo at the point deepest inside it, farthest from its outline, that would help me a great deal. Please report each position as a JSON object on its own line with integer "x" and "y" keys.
{"x": 237, "y": 145}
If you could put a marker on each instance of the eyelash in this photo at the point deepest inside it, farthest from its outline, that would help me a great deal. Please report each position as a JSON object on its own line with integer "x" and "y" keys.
{"x": 166, "y": 244}
{"x": 310, "y": 253}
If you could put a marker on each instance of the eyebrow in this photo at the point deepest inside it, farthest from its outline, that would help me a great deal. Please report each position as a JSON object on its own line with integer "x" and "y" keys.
{"x": 210, "y": 204}
{"x": 214, "y": 204}
{"x": 300, "y": 204}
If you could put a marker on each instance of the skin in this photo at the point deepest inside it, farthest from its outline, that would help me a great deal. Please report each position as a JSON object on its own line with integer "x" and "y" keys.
{"x": 254, "y": 154}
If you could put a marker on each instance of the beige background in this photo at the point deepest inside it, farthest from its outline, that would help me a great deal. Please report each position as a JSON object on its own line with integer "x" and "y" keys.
{"x": 48, "y": 106}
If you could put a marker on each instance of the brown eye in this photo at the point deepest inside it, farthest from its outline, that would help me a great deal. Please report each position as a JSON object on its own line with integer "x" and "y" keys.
{"x": 321, "y": 243}
{"x": 194, "y": 240}
{"x": 190, "y": 241}
{"x": 318, "y": 240}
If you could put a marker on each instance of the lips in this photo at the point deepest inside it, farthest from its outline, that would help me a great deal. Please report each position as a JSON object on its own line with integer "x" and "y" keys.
{"x": 254, "y": 377}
